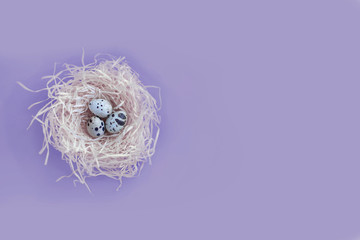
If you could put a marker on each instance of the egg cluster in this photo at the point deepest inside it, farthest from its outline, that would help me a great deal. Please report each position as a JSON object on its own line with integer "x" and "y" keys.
{"x": 101, "y": 108}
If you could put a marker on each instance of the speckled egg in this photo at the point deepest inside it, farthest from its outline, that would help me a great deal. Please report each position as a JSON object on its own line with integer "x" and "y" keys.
{"x": 116, "y": 121}
{"x": 95, "y": 127}
{"x": 100, "y": 107}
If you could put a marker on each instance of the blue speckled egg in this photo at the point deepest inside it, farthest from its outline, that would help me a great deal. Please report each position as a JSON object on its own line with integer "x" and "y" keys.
{"x": 116, "y": 121}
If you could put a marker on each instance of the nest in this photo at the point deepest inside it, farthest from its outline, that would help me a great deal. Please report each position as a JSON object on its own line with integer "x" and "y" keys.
{"x": 64, "y": 117}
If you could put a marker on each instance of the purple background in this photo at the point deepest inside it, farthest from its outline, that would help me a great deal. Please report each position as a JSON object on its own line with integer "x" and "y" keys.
{"x": 260, "y": 121}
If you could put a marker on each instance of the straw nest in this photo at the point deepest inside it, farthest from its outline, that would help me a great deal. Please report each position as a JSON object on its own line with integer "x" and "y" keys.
{"x": 65, "y": 113}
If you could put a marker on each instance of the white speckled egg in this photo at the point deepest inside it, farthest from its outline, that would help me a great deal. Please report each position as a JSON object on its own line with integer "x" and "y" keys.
{"x": 95, "y": 127}
{"x": 116, "y": 121}
{"x": 100, "y": 107}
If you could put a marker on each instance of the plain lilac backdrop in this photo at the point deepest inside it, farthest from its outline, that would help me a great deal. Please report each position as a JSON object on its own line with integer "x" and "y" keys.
{"x": 260, "y": 128}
